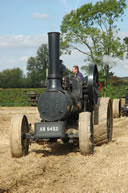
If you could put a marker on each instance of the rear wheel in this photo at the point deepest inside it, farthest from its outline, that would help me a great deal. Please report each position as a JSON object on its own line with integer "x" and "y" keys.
{"x": 116, "y": 108}
{"x": 86, "y": 137}
{"x": 19, "y": 145}
{"x": 103, "y": 131}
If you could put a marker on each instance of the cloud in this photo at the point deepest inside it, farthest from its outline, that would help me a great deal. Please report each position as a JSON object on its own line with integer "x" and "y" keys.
{"x": 16, "y": 49}
{"x": 41, "y": 16}
{"x": 17, "y": 41}
{"x": 23, "y": 58}
{"x": 14, "y": 63}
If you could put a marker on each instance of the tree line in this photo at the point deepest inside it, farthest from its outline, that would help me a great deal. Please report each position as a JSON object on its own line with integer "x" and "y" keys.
{"x": 94, "y": 26}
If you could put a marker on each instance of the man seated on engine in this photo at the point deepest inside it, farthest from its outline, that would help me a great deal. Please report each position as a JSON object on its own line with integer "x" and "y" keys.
{"x": 77, "y": 74}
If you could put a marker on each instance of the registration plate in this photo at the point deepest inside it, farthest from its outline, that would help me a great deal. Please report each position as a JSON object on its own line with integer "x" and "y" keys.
{"x": 49, "y": 130}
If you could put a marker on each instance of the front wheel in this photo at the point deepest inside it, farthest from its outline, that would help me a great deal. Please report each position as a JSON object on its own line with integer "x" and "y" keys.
{"x": 86, "y": 136}
{"x": 19, "y": 145}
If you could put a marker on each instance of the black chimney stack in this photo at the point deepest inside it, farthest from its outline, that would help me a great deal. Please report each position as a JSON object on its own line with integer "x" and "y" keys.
{"x": 54, "y": 75}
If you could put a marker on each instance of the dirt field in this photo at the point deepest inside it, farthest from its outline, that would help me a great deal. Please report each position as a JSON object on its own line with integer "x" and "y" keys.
{"x": 60, "y": 168}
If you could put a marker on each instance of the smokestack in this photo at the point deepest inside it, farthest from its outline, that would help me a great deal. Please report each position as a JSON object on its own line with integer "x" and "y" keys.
{"x": 54, "y": 76}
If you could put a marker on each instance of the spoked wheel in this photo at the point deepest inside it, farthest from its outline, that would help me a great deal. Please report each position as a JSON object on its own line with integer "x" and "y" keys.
{"x": 86, "y": 137}
{"x": 116, "y": 108}
{"x": 103, "y": 131}
{"x": 19, "y": 145}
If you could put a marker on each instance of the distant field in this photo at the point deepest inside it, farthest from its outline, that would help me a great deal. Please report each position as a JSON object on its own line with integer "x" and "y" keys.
{"x": 17, "y": 97}
{"x": 119, "y": 80}
{"x": 117, "y": 87}
{"x": 116, "y": 90}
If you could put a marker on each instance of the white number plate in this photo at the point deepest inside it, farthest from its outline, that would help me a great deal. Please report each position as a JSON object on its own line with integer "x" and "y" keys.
{"x": 48, "y": 128}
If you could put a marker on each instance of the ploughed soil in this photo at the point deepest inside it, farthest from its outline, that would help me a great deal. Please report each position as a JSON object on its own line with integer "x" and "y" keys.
{"x": 60, "y": 168}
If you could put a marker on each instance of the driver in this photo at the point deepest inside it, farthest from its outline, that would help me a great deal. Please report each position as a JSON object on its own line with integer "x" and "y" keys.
{"x": 77, "y": 74}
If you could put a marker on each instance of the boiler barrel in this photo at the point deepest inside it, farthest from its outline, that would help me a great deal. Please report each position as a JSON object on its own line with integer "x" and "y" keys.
{"x": 54, "y": 105}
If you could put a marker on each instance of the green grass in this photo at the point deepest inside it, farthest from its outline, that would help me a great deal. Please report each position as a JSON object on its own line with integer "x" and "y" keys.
{"x": 115, "y": 91}
{"x": 17, "y": 97}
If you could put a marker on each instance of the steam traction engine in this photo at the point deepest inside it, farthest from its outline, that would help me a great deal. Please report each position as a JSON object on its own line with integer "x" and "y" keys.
{"x": 69, "y": 110}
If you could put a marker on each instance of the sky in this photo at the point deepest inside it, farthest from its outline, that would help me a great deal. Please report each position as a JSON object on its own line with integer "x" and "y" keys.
{"x": 24, "y": 25}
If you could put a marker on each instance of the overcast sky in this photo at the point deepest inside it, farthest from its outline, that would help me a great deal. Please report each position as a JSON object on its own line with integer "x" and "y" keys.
{"x": 24, "y": 25}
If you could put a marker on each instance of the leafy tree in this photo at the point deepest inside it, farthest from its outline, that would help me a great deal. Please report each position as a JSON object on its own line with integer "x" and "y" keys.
{"x": 126, "y": 43}
{"x": 94, "y": 27}
{"x": 11, "y": 78}
{"x": 37, "y": 66}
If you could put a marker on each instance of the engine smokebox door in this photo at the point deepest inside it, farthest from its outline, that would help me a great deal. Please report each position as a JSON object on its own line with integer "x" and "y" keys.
{"x": 46, "y": 130}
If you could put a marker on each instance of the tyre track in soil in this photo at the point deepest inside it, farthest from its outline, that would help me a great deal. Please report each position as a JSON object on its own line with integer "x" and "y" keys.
{"x": 60, "y": 168}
